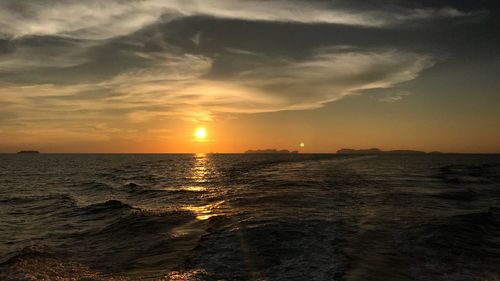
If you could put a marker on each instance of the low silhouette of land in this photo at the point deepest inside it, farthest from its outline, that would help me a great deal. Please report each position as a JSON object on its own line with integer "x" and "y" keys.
{"x": 270, "y": 151}
{"x": 29, "y": 152}
{"x": 378, "y": 151}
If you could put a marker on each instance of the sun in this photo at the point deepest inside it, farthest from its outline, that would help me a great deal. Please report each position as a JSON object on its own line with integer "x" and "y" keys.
{"x": 200, "y": 133}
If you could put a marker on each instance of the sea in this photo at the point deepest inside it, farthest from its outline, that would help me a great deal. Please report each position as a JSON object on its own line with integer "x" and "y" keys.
{"x": 249, "y": 217}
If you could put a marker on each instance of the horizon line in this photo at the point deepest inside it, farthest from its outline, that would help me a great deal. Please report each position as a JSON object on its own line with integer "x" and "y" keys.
{"x": 402, "y": 153}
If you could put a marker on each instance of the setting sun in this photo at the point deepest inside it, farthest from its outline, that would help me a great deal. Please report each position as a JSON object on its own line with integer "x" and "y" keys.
{"x": 200, "y": 133}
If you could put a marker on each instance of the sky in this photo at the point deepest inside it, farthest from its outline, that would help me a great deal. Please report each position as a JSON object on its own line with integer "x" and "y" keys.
{"x": 142, "y": 76}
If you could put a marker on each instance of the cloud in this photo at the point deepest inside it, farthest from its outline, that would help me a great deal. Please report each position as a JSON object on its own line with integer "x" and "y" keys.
{"x": 179, "y": 86}
{"x": 60, "y": 75}
{"x": 53, "y": 53}
{"x": 330, "y": 74}
{"x": 394, "y": 96}
{"x": 95, "y": 19}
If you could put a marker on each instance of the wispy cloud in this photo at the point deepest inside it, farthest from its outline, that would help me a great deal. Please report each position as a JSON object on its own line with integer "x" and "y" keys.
{"x": 61, "y": 54}
{"x": 95, "y": 19}
{"x": 394, "y": 96}
{"x": 178, "y": 86}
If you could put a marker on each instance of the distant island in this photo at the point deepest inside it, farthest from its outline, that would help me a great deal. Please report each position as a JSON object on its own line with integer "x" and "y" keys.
{"x": 28, "y": 152}
{"x": 378, "y": 151}
{"x": 270, "y": 151}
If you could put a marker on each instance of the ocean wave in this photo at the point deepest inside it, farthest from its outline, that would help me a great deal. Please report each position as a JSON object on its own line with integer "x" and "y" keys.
{"x": 461, "y": 195}
{"x": 39, "y": 263}
{"x": 462, "y": 247}
{"x": 40, "y": 205}
{"x": 109, "y": 237}
{"x": 270, "y": 250}
{"x": 107, "y": 206}
{"x": 137, "y": 189}
{"x": 470, "y": 174}
{"x": 97, "y": 186}
{"x": 26, "y": 252}
{"x": 120, "y": 234}
{"x": 37, "y": 199}
{"x": 252, "y": 217}
{"x": 458, "y": 230}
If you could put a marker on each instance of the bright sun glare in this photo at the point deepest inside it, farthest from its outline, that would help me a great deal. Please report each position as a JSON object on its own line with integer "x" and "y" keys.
{"x": 200, "y": 133}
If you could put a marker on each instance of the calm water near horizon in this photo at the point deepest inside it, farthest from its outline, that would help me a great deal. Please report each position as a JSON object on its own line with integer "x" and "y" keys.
{"x": 249, "y": 217}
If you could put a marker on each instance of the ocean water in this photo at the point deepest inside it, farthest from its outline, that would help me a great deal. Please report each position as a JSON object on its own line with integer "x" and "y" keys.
{"x": 249, "y": 217}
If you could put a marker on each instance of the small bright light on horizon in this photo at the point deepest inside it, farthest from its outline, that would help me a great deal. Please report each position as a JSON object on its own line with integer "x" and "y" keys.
{"x": 200, "y": 133}
{"x": 302, "y": 144}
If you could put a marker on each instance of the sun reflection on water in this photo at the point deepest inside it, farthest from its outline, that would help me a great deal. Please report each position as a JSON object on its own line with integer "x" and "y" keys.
{"x": 201, "y": 172}
{"x": 194, "y": 188}
{"x": 210, "y": 202}
{"x": 204, "y": 212}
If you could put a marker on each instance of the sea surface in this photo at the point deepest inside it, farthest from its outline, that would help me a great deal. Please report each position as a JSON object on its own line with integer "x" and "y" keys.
{"x": 249, "y": 217}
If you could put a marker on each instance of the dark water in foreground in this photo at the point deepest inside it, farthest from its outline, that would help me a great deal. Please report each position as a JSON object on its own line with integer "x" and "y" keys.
{"x": 250, "y": 217}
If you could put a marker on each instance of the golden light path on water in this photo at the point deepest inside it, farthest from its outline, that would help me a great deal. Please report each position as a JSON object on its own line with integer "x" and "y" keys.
{"x": 204, "y": 212}
{"x": 200, "y": 173}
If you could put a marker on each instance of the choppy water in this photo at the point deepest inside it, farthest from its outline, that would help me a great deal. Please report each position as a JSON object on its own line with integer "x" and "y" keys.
{"x": 250, "y": 217}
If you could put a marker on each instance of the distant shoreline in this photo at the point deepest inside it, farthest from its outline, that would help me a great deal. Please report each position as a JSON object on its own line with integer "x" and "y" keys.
{"x": 379, "y": 151}
{"x": 236, "y": 153}
{"x": 376, "y": 151}
{"x": 28, "y": 152}
{"x": 270, "y": 151}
